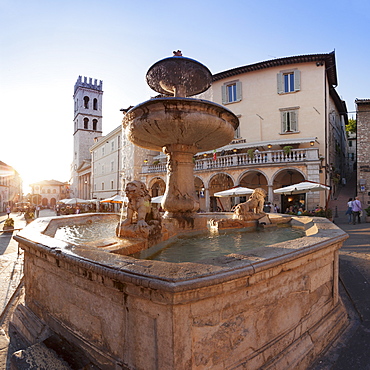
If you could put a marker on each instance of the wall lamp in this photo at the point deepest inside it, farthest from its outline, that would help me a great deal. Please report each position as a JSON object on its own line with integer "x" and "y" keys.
{"x": 312, "y": 143}
{"x": 145, "y": 161}
{"x": 235, "y": 150}
{"x": 269, "y": 146}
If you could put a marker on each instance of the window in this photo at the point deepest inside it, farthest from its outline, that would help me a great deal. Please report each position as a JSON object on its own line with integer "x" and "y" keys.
{"x": 350, "y": 143}
{"x": 86, "y": 102}
{"x": 86, "y": 123}
{"x": 102, "y": 186}
{"x": 231, "y": 92}
{"x": 95, "y": 104}
{"x": 112, "y": 166}
{"x": 95, "y": 124}
{"x": 112, "y": 184}
{"x": 237, "y": 133}
{"x": 102, "y": 151}
{"x": 289, "y": 121}
{"x": 288, "y": 81}
{"x": 102, "y": 169}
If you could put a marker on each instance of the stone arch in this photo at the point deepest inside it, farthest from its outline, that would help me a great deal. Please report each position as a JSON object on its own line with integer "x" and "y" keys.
{"x": 218, "y": 182}
{"x": 157, "y": 186}
{"x": 286, "y": 177}
{"x": 53, "y": 202}
{"x": 86, "y": 102}
{"x": 45, "y": 202}
{"x": 253, "y": 179}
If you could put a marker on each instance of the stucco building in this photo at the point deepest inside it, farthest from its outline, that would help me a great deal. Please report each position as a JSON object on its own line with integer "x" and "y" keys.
{"x": 292, "y": 128}
{"x": 48, "y": 192}
{"x": 10, "y": 186}
{"x": 363, "y": 150}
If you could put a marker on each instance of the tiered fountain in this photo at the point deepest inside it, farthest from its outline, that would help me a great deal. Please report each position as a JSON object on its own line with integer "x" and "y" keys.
{"x": 275, "y": 306}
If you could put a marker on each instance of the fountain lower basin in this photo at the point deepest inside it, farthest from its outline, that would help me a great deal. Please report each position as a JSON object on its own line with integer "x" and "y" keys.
{"x": 278, "y": 306}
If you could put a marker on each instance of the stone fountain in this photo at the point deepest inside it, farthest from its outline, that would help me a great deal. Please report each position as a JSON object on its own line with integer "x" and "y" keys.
{"x": 275, "y": 306}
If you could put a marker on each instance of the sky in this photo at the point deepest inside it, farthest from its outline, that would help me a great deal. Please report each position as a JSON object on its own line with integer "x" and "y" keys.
{"x": 46, "y": 44}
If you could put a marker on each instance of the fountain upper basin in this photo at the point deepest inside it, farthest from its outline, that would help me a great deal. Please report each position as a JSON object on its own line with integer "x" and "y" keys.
{"x": 194, "y": 122}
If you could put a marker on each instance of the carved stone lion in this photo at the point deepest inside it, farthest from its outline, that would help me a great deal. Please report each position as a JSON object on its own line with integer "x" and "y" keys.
{"x": 138, "y": 203}
{"x": 253, "y": 205}
{"x": 142, "y": 221}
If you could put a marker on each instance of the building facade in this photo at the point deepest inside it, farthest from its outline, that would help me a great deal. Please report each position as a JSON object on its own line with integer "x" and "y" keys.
{"x": 88, "y": 98}
{"x": 106, "y": 165}
{"x": 48, "y": 192}
{"x": 292, "y": 128}
{"x": 10, "y": 186}
{"x": 363, "y": 150}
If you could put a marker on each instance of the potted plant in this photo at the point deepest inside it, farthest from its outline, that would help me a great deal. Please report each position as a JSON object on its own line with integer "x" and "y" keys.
{"x": 8, "y": 224}
{"x": 287, "y": 149}
{"x": 367, "y": 217}
{"x": 251, "y": 153}
{"x": 29, "y": 216}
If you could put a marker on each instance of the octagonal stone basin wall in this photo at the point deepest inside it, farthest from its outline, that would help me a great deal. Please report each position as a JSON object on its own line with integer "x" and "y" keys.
{"x": 276, "y": 306}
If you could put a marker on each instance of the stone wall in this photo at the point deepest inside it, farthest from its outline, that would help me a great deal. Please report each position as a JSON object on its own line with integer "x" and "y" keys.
{"x": 277, "y": 307}
{"x": 363, "y": 151}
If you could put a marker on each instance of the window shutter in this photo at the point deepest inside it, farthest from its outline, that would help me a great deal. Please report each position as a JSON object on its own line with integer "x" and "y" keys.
{"x": 224, "y": 94}
{"x": 280, "y": 87}
{"x": 293, "y": 121}
{"x": 297, "y": 80}
{"x": 284, "y": 119}
{"x": 238, "y": 91}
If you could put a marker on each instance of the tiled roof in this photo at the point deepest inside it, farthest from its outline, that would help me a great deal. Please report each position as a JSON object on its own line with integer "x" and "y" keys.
{"x": 362, "y": 101}
{"x": 328, "y": 59}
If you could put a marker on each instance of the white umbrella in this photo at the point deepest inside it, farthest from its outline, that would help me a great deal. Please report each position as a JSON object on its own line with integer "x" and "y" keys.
{"x": 234, "y": 192}
{"x": 74, "y": 201}
{"x": 157, "y": 200}
{"x": 115, "y": 199}
{"x": 302, "y": 187}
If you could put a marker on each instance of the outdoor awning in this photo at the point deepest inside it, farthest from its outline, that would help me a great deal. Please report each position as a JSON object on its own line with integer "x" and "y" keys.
{"x": 115, "y": 199}
{"x": 234, "y": 192}
{"x": 302, "y": 187}
{"x": 157, "y": 200}
{"x": 243, "y": 144}
{"x": 72, "y": 201}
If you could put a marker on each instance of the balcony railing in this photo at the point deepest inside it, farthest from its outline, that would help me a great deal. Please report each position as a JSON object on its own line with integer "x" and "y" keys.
{"x": 270, "y": 157}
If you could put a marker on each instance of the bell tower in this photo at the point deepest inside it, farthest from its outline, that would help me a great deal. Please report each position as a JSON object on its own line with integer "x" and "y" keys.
{"x": 88, "y": 97}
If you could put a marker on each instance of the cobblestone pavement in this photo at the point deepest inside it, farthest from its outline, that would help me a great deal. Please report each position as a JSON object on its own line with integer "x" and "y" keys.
{"x": 11, "y": 260}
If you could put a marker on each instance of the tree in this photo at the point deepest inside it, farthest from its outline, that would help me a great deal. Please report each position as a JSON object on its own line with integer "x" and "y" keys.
{"x": 352, "y": 125}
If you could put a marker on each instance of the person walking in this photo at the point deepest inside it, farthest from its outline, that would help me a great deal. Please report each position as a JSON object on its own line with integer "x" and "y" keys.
{"x": 349, "y": 210}
{"x": 356, "y": 210}
{"x": 8, "y": 211}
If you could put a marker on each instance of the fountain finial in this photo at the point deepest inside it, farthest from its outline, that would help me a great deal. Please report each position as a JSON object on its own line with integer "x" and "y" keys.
{"x": 177, "y": 53}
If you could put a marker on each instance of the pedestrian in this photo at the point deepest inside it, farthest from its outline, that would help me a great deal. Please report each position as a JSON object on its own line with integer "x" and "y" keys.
{"x": 356, "y": 210}
{"x": 37, "y": 211}
{"x": 8, "y": 211}
{"x": 349, "y": 210}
